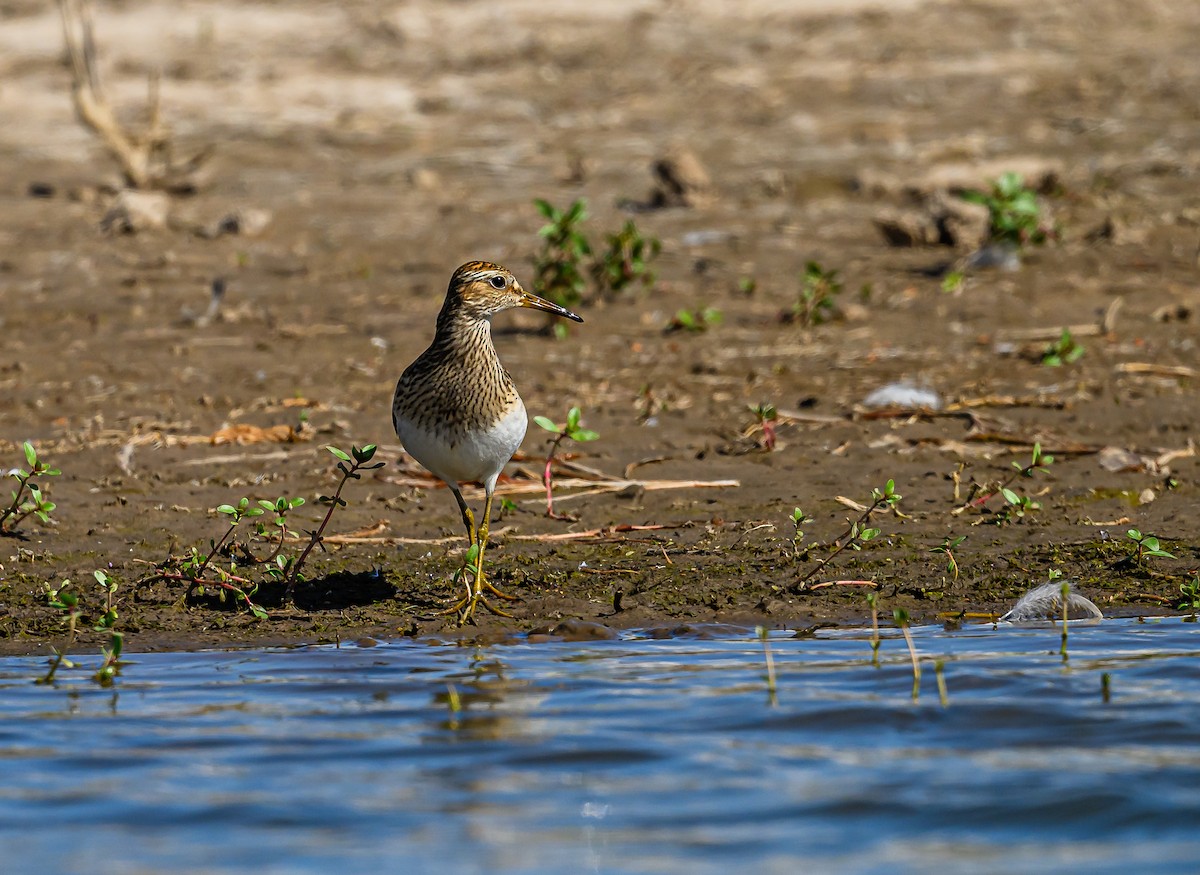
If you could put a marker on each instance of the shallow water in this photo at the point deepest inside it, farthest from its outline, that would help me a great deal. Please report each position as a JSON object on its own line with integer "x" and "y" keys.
{"x": 634, "y": 755}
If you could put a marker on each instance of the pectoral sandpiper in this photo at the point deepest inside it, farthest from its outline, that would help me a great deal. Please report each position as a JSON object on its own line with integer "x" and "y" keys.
{"x": 456, "y": 409}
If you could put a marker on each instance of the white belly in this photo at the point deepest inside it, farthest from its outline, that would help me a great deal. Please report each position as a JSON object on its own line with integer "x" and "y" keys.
{"x": 476, "y": 456}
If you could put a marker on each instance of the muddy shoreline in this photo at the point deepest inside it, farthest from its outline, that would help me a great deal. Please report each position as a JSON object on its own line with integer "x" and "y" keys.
{"x": 366, "y": 160}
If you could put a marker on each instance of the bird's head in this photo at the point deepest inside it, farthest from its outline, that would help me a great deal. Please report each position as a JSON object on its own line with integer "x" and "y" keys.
{"x": 480, "y": 290}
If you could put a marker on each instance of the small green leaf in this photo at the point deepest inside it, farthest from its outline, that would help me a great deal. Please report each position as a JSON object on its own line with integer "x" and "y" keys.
{"x": 226, "y": 508}
{"x": 583, "y": 435}
{"x": 547, "y": 424}
{"x": 338, "y": 453}
{"x": 30, "y": 454}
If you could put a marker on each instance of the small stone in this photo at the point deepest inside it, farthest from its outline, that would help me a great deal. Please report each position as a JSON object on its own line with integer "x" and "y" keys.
{"x": 134, "y": 211}
{"x": 682, "y": 180}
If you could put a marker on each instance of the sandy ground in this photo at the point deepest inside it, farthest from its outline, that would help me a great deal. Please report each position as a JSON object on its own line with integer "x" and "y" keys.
{"x": 387, "y": 143}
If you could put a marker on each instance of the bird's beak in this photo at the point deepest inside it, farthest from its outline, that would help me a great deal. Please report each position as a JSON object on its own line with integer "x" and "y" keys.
{"x": 533, "y": 302}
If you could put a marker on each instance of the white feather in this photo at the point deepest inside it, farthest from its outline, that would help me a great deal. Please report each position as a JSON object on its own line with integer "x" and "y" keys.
{"x": 1045, "y": 603}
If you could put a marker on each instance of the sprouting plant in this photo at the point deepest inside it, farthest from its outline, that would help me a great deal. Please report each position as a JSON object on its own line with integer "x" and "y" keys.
{"x": 747, "y": 285}
{"x": 815, "y": 302}
{"x": 901, "y": 617}
{"x": 799, "y": 518}
{"x": 1016, "y": 505}
{"x": 697, "y": 320}
{"x": 626, "y": 259}
{"x": 1064, "y": 351}
{"x": 858, "y": 532}
{"x": 569, "y": 430}
{"x": 69, "y": 603}
{"x": 1146, "y": 546}
{"x": 1191, "y": 595}
{"x": 1064, "y": 595}
{"x": 358, "y": 459}
{"x": 873, "y": 603}
{"x": 1014, "y": 214}
{"x": 111, "y": 654}
{"x": 559, "y": 267}
{"x": 947, "y": 547}
{"x": 772, "y": 689}
{"x": 939, "y": 672}
{"x": 28, "y": 499}
{"x": 953, "y": 282}
{"x": 230, "y": 577}
{"x": 767, "y": 416}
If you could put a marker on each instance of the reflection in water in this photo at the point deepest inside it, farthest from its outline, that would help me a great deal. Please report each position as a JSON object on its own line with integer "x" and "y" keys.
{"x": 631, "y": 755}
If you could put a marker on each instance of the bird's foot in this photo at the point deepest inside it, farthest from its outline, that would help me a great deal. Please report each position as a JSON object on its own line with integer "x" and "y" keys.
{"x": 465, "y": 608}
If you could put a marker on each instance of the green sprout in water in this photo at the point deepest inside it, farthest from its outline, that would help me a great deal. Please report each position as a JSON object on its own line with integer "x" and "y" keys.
{"x": 772, "y": 688}
{"x": 873, "y": 603}
{"x": 28, "y": 499}
{"x": 69, "y": 603}
{"x": 569, "y": 430}
{"x": 901, "y": 617}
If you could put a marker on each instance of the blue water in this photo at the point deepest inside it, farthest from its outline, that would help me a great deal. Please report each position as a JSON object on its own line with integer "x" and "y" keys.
{"x": 623, "y": 756}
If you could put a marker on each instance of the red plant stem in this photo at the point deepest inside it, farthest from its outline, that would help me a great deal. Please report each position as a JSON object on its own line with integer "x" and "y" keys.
{"x": 546, "y": 477}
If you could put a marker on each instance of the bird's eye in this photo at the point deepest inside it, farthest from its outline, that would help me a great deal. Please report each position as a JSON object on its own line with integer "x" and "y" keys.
{"x": 498, "y": 282}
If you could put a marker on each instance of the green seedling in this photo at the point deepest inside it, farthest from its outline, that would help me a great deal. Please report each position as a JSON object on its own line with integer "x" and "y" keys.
{"x": 858, "y": 532}
{"x": 901, "y": 617}
{"x": 1065, "y": 598}
{"x": 747, "y": 285}
{"x": 1015, "y": 504}
{"x": 947, "y": 548}
{"x": 558, "y": 270}
{"x": 815, "y": 303}
{"x": 569, "y": 430}
{"x": 201, "y": 570}
{"x": 28, "y": 499}
{"x": 772, "y": 688}
{"x": 349, "y": 464}
{"x": 767, "y": 416}
{"x": 939, "y": 672}
{"x": 1064, "y": 351}
{"x": 953, "y": 282}
{"x": 1015, "y": 217}
{"x": 69, "y": 603}
{"x": 1146, "y": 547}
{"x": 626, "y": 260}
{"x": 695, "y": 320}
{"x": 1191, "y": 595}
{"x": 799, "y": 518}
{"x": 873, "y": 603}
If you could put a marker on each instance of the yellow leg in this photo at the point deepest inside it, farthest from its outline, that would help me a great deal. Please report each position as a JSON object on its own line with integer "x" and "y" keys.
{"x": 465, "y": 608}
{"x": 467, "y": 516}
